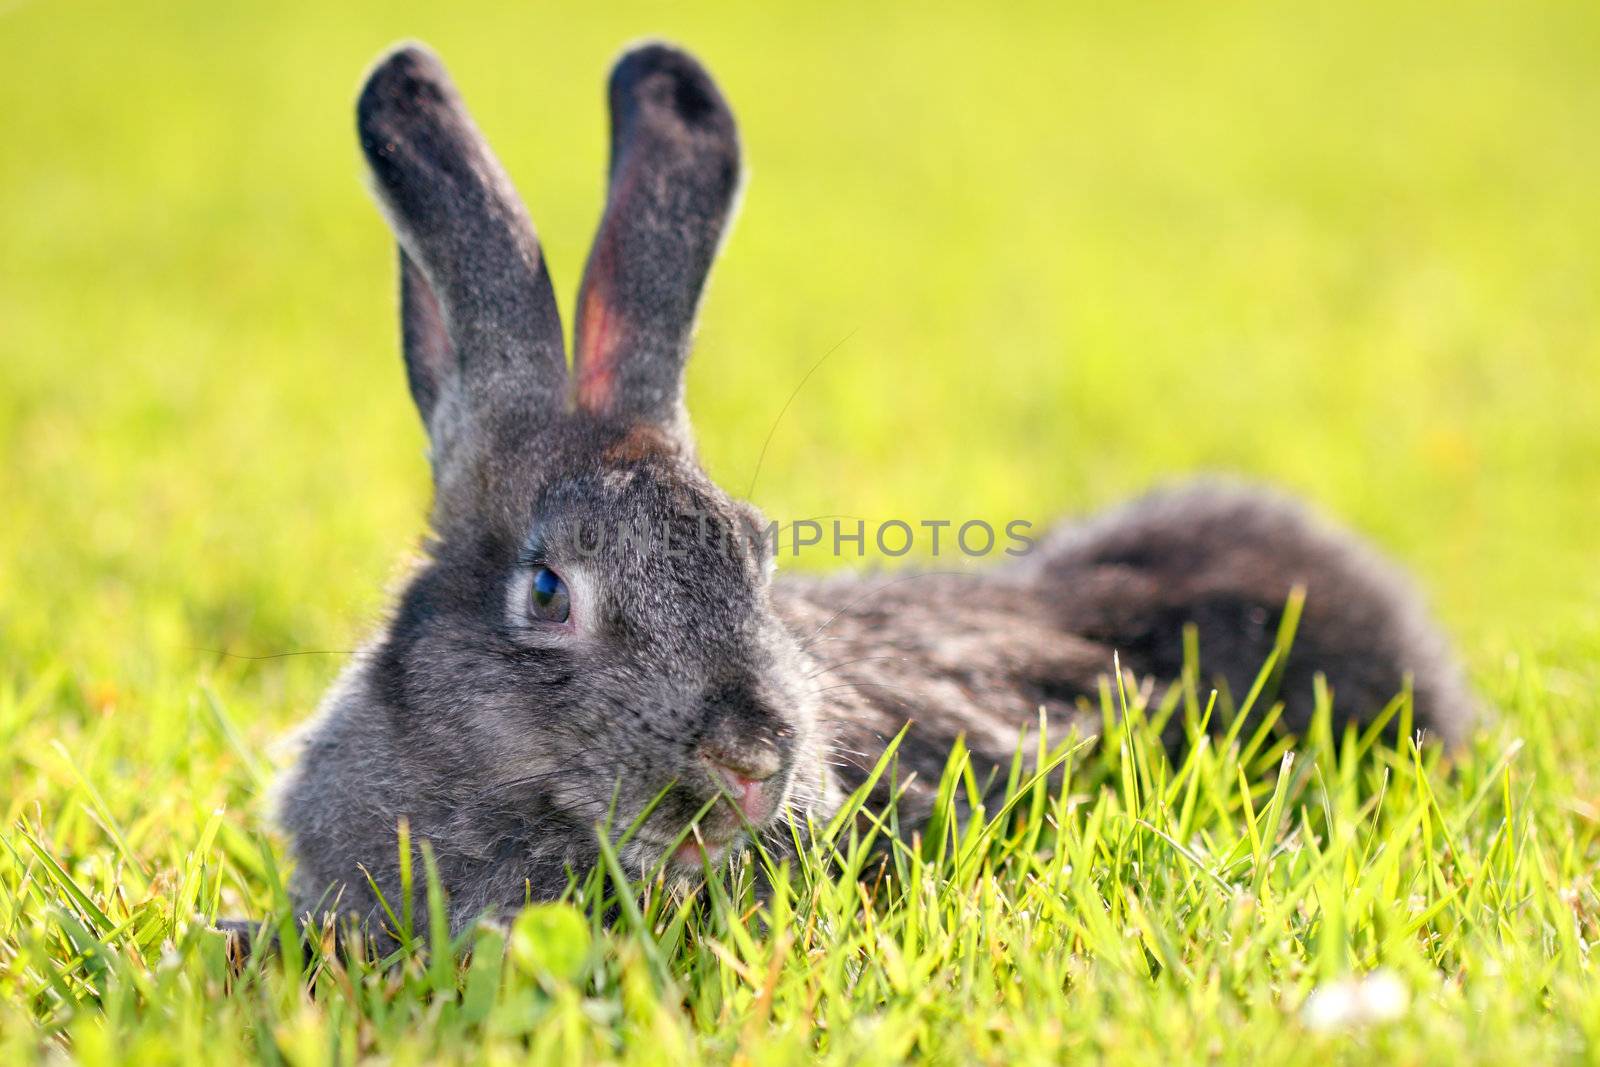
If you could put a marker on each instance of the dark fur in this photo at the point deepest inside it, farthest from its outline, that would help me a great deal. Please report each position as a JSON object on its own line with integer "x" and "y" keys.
{"x": 504, "y": 744}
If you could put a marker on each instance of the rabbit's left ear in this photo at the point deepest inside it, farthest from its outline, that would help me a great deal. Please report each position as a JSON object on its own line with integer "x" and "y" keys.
{"x": 477, "y": 310}
{"x": 674, "y": 178}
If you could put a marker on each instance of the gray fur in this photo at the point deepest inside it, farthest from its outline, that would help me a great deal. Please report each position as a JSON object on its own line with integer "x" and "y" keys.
{"x": 504, "y": 742}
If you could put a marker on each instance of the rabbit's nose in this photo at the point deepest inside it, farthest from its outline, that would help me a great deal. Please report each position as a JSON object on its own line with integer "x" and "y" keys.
{"x": 744, "y": 771}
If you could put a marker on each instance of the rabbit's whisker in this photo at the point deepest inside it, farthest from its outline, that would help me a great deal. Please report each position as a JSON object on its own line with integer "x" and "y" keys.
{"x": 760, "y": 459}
{"x": 849, "y": 662}
{"x": 275, "y": 655}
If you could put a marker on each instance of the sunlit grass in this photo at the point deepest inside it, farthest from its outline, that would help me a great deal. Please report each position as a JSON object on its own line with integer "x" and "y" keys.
{"x": 1105, "y": 901}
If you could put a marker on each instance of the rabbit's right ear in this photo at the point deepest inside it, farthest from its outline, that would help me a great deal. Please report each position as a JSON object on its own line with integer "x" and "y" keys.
{"x": 478, "y": 314}
{"x": 674, "y": 178}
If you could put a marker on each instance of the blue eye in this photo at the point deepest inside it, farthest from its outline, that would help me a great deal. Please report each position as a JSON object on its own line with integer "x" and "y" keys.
{"x": 548, "y": 600}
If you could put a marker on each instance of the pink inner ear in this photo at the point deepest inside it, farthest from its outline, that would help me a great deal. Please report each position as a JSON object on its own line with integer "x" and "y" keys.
{"x": 427, "y": 320}
{"x": 597, "y": 347}
{"x": 430, "y": 356}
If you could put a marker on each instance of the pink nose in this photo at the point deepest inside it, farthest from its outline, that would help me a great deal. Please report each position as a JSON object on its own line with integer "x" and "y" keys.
{"x": 745, "y": 775}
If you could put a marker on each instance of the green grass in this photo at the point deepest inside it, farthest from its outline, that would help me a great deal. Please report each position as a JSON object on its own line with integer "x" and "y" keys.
{"x": 1350, "y": 249}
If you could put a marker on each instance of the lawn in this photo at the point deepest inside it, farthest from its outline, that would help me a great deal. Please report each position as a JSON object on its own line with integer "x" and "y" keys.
{"x": 1059, "y": 253}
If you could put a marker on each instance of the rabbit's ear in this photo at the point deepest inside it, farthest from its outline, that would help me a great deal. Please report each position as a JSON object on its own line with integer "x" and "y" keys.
{"x": 477, "y": 309}
{"x": 674, "y": 177}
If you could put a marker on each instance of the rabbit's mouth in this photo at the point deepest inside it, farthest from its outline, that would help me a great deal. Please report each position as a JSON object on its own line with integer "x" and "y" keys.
{"x": 701, "y": 848}
{"x": 743, "y": 807}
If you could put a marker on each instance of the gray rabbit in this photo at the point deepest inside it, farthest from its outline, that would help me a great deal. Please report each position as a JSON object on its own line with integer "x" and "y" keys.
{"x": 546, "y": 671}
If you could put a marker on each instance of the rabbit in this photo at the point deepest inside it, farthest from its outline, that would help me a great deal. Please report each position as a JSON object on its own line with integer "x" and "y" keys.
{"x": 537, "y": 683}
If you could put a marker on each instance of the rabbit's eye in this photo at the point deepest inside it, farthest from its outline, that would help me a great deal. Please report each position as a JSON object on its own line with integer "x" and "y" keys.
{"x": 548, "y": 600}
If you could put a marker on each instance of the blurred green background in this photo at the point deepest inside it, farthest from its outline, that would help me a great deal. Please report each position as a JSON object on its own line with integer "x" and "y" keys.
{"x": 1352, "y": 249}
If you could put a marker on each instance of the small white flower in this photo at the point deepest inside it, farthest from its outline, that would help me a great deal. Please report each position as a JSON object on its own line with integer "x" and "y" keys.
{"x": 1349, "y": 1003}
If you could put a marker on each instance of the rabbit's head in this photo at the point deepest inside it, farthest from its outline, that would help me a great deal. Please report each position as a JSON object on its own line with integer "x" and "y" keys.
{"x": 591, "y": 636}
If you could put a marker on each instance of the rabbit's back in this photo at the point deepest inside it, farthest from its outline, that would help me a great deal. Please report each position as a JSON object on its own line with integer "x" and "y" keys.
{"x": 978, "y": 652}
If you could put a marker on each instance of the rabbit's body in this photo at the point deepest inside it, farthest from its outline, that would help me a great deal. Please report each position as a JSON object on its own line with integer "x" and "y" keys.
{"x": 976, "y": 653}
{"x": 596, "y": 641}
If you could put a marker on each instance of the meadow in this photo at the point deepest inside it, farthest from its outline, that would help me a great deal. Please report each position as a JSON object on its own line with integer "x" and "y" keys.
{"x": 1053, "y": 254}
